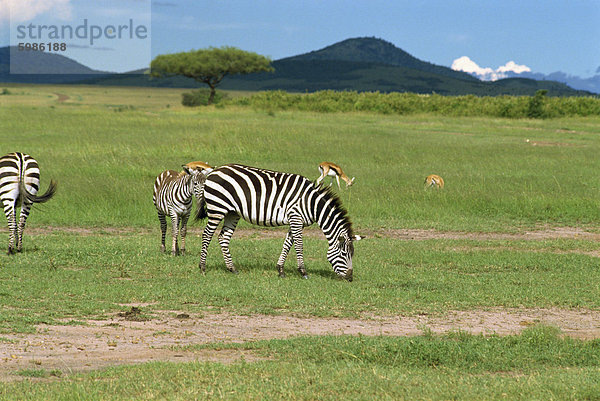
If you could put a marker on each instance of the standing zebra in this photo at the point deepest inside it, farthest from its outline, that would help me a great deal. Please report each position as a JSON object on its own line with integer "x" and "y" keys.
{"x": 173, "y": 197}
{"x": 19, "y": 185}
{"x": 271, "y": 198}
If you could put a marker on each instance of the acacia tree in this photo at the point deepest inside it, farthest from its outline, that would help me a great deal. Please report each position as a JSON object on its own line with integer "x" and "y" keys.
{"x": 210, "y": 65}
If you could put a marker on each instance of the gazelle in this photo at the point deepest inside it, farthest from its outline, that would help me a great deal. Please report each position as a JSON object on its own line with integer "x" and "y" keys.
{"x": 434, "y": 181}
{"x": 198, "y": 166}
{"x": 333, "y": 170}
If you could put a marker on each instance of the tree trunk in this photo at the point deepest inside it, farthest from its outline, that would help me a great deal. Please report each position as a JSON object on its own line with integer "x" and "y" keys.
{"x": 211, "y": 97}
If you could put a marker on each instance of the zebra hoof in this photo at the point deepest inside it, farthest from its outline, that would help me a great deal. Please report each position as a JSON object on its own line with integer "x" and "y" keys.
{"x": 281, "y": 275}
{"x": 234, "y": 271}
{"x": 305, "y": 276}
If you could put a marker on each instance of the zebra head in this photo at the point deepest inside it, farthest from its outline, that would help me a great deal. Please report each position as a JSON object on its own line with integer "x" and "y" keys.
{"x": 340, "y": 255}
{"x": 197, "y": 179}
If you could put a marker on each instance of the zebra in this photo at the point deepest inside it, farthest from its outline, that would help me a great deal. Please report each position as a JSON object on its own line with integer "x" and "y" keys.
{"x": 172, "y": 197}
{"x": 271, "y": 198}
{"x": 19, "y": 185}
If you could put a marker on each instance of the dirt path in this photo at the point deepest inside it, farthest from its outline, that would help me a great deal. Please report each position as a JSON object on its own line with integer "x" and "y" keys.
{"x": 61, "y": 97}
{"x": 546, "y": 233}
{"x": 119, "y": 340}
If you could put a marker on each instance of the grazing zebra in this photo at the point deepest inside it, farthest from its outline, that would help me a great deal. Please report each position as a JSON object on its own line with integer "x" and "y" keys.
{"x": 173, "y": 197}
{"x": 272, "y": 198}
{"x": 19, "y": 185}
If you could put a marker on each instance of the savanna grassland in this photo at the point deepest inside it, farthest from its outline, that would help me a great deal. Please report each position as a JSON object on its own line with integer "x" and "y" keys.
{"x": 93, "y": 250}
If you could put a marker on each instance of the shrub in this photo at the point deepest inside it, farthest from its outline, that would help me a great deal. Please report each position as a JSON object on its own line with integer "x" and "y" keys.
{"x": 200, "y": 97}
{"x": 536, "y": 104}
{"x": 5, "y": 92}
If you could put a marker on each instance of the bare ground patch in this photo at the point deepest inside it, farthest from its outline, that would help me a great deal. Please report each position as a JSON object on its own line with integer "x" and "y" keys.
{"x": 61, "y": 97}
{"x": 543, "y": 233}
{"x": 120, "y": 340}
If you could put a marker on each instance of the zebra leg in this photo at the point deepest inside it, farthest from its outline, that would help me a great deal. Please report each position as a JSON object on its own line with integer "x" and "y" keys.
{"x": 175, "y": 231}
{"x": 296, "y": 230}
{"x": 287, "y": 244}
{"x": 25, "y": 208}
{"x": 207, "y": 235}
{"x": 183, "y": 231}
{"x": 163, "y": 230}
{"x": 12, "y": 227}
{"x": 229, "y": 225}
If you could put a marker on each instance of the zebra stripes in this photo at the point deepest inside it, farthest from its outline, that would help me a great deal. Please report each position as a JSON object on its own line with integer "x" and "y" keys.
{"x": 19, "y": 185}
{"x": 173, "y": 197}
{"x": 270, "y": 198}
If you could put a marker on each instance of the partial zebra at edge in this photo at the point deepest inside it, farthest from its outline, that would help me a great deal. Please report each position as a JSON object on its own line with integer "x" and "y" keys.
{"x": 19, "y": 185}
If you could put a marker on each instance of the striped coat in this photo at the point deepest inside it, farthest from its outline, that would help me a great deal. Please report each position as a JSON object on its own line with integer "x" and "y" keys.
{"x": 19, "y": 185}
{"x": 271, "y": 198}
{"x": 172, "y": 197}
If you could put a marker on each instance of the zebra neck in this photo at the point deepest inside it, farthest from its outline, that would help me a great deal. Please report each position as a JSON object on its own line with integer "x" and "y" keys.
{"x": 330, "y": 217}
{"x": 186, "y": 186}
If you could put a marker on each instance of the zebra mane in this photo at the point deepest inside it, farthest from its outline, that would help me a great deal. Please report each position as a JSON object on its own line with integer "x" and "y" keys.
{"x": 336, "y": 203}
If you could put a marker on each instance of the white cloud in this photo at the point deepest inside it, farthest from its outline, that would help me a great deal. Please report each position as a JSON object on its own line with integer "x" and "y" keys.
{"x": 511, "y": 66}
{"x": 486, "y": 73}
{"x": 467, "y": 65}
{"x": 25, "y": 10}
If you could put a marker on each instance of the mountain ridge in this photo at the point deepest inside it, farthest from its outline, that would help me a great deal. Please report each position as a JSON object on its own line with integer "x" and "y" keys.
{"x": 377, "y": 51}
{"x": 360, "y": 64}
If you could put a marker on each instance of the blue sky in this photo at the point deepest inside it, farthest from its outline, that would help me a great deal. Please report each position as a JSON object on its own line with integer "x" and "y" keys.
{"x": 543, "y": 35}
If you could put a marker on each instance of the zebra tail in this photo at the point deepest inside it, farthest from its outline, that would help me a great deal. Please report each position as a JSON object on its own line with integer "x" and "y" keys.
{"x": 201, "y": 212}
{"x": 42, "y": 198}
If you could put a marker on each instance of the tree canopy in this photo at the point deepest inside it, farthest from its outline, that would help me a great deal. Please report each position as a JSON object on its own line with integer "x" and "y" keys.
{"x": 210, "y": 65}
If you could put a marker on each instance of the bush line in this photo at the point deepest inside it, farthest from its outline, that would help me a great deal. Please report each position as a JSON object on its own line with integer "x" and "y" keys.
{"x": 329, "y": 101}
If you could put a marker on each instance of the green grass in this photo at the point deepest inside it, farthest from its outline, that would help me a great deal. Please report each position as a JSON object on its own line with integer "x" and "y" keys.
{"x": 537, "y": 364}
{"x": 105, "y": 161}
{"x": 92, "y": 275}
{"x": 105, "y": 146}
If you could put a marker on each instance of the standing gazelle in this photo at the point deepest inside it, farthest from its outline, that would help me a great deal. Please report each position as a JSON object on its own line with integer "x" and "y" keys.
{"x": 19, "y": 185}
{"x": 434, "y": 181}
{"x": 173, "y": 197}
{"x": 333, "y": 170}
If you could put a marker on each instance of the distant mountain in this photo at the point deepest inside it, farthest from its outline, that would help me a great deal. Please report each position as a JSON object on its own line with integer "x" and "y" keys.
{"x": 514, "y": 70}
{"x": 360, "y": 64}
{"x": 369, "y": 64}
{"x": 377, "y": 51}
{"x": 34, "y": 66}
{"x": 314, "y": 75}
{"x": 591, "y": 84}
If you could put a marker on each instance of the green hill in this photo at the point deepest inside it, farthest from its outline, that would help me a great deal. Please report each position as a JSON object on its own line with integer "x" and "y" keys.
{"x": 359, "y": 64}
{"x": 377, "y": 51}
{"x": 313, "y": 75}
{"x": 370, "y": 64}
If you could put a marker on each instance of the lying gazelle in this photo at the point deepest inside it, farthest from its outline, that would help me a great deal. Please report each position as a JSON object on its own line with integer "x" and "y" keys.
{"x": 434, "y": 181}
{"x": 199, "y": 166}
{"x": 333, "y": 170}
{"x": 172, "y": 197}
